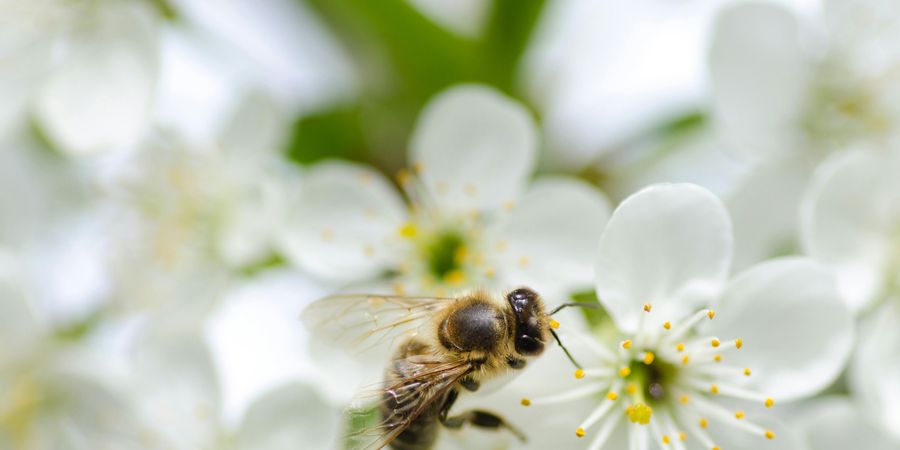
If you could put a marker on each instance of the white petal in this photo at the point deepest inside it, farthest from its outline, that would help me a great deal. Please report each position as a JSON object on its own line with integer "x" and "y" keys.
{"x": 18, "y": 324}
{"x": 837, "y": 424}
{"x": 100, "y": 95}
{"x": 796, "y": 330}
{"x": 343, "y": 222}
{"x": 555, "y": 228}
{"x": 875, "y": 368}
{"x": 176, "y": 388}
{"x": 764, "y": 206}
{"x": 290, "y": 417}
{"x": 475, "y": 147}
{"x": 759, "y": 77}
{"x": 787, "y": 436}
{"x": 660, "y": 242}
{"x": 847, "y": 221}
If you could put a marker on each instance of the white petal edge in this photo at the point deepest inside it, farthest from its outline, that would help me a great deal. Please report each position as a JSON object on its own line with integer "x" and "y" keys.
{"x": 796, "y": 330}
{"x": 846, "y": 221}
{"x": 344, "y": 223}
{"x": 660, "y": 243}
{"x": 759, "y": 77}
{"x": 288, "y": 416}
{"x": 474, "y": 147}
{"x": 875, "y": 368}
{"x": 551, "y": 235}
{"x": 836, "y": 423}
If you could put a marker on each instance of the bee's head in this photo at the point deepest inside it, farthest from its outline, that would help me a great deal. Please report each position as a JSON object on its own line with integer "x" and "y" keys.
{"x": 530, "y": 322}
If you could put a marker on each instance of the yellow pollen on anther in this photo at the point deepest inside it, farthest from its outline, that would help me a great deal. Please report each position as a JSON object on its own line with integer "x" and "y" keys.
{"x": 717, "y": 358}
{"x": 738, "y": 343}
{"x": 579, "y": 373}
{"x": 703, "y": 423}
{"x": 624, "y": 372}
{"x": 667, "y": 325}
{"x": 681, "y": 436}
{"x": 665, "y": 439}
{"x": 685, "y": 359}
{"x": 684, "y": 399}
{"x": 770, "y": 434}
{"x": 647, "y": 307}
{"x": 554, "y": 324}
{"x": 648, "y": 358}
{"x": 710, "y": 314}
{"x": 408, "y": 230}
{"x": 715, "y": 343}
{"x": 739, "y": 415}
{"x": 680, "y": 347}
{"x": 579, "y": 432}
{"x": 612, "y": 396}
{"x": 640, "y": 413}
{"x": 455, "y": 277}
{"x": 716, "y": 448}
{"x": 631, "y": 388}
{"x": 714, "y": 389}
{"x": 525, "y": 402}
{"x": 747, "y": 372}
{"x": 403, "y": 176}
{"x": 626, "y": 344}
{"x": 770, "y": 403}
{"x": 524, "y": 261}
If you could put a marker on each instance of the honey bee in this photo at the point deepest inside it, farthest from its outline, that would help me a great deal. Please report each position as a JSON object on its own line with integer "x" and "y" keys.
{"x": 444, "y": 346}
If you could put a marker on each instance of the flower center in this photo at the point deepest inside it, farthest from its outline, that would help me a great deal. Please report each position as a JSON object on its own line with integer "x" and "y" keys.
{"x": 444, "y": 254}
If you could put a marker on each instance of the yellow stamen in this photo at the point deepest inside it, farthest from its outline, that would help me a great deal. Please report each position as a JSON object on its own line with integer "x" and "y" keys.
{"x": 716, "y": 448}
{"x": 403, "y": 177}
{"x": 631, "y": 388}
{"x": 640, "y": 413}
{"x": 648, "y": 358}
{"x": 770, "y": 434}
{"x": 524, "y": 261}
{"x": 682, "y": 436}
{"x": 685, "y": 359}
{"x": 579, "y": 432}
{"x": 647, "y": 307}
{"x": 612, "y": 396}
{"x": 714, "y": 389}
{"x": 717, "y": 358}
{"x": 525, "y": 402}
{"x": 747, "y": 372}
{"x": 626, "y": 344}
{"x": 716, "y": 343}
{"x": 703, "y": 423}
{"x": 710, "y": 314}
{"x": 667, "y": 325}
{"x": 738, "y": 343}
{"x": 684, "y": 399}
{"x": 680, "y": 347}
{"x": 665, "y": 439}
{"x": 579, "y": 373}
{"x": 624, "y": 372}
{"x": 408, "y": 230}
{"x": 770, "y": 403}
{"x": 455, "y": 276}
{"x": 554, "y": 324}
{"x": 739, "y": 415}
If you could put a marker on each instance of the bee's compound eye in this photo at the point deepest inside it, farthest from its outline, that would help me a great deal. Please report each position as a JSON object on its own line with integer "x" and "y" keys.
{"x": 529, "y": 346}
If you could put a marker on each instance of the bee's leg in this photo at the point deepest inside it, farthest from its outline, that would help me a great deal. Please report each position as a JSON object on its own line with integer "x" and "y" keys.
{"x": 476, "y": 418}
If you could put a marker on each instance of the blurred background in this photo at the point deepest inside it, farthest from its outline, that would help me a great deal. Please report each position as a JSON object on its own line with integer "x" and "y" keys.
{"x": 151, "y": 150}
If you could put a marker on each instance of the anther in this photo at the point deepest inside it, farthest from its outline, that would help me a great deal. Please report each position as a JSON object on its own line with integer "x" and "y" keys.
{"x": 684, "y": 399}
{"x": 640, "y": 413}
{"x": 715, "y": 343}
{"x": 739, "y": 415}
{"x": 624, "y": 372}
{"x": 525, "y": 402}
{"x": 770, "y": 403}
{"x": 648, "y": 358}
{"x": 631, "y": 388}
{"x": 647, "y": 307}
{"x": 626, "y": 344}
{"x": 685, "y": 359}
{"x": 579, "y": 432}
{"x": 703, "y": 423}
{"x": 612, "y": 396}
{"x": 667, "y": 325}
{"x": 710, "y": 314}
{"x": 682, "y": 436}
{"x": 714, "y": 389}
{"x": 680, "y": 347}
{"x": 716, "y": 448}
{"x": 747, "y": 372}
{"x": 665, "y": 439}
{"x": 554, "y": 324}
{"x": 717, "y": 358}
{"x": 738, "y": 343}
{"x": 579, "y": 373}
{"x": 770, "y": 434}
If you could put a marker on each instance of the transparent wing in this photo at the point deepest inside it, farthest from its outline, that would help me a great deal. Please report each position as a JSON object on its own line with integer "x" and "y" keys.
{"x": 361, "y": 322}
{"x": 391, "y": 407}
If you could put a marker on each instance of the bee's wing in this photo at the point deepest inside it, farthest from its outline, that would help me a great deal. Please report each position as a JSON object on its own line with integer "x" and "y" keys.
{"x": 360, "y": 322}
{"x": 398, "y": 403}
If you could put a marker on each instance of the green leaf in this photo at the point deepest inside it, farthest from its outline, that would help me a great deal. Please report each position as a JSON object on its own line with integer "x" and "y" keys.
{"x": 506, "y": 37}
{"x": 336, "y": 133}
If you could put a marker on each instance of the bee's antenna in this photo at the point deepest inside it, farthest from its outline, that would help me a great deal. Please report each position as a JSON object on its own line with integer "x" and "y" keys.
{"x": 577, "y": 304}
{"x": 563, "y": 347}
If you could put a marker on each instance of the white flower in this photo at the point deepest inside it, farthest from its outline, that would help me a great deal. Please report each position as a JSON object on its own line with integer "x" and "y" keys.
{"x": 835, "y": 423}
{"x": 851, "y": 222}
{"x": 85, "y": 69}
{"x": 689, "y": 340}
{"x": 473, "y": 218}
{"x": 786, "y": 94}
